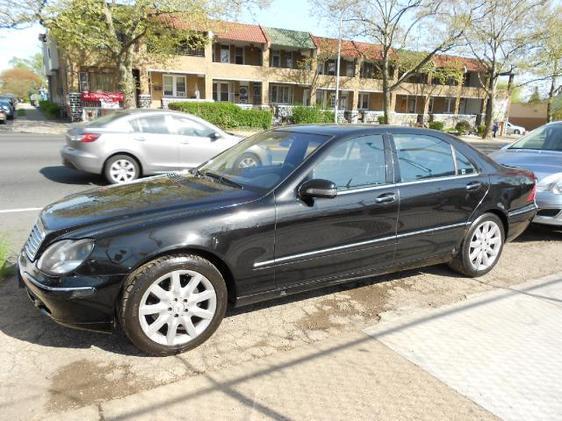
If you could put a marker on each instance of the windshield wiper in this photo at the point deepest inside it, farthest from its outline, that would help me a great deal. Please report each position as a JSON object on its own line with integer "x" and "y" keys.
{"x": 221, "y": 179}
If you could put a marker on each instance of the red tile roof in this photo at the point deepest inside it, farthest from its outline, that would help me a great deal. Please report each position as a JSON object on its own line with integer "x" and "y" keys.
{"x": 330, "y": 46}
{"x": 369, "y": 51}
{"x": 471, "y": 64}
{"x": 239, "y": 32}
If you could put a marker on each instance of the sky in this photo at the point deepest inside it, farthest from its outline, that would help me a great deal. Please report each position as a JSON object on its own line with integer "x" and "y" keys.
{"x": 290, "y": 14}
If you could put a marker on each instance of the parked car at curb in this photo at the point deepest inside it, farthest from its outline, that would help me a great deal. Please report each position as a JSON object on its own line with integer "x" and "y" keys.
{"x": 7, "y": 110}
{"x": 541, "y": 152}
{"x": 126, "y": 145}
{"x": 163, "y": 257}
{"x": 513, "y": 129}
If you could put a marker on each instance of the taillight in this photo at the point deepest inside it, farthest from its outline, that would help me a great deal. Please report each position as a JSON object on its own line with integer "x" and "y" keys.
{"x": 533, "y": 193}
{"x": 89, "y": 137}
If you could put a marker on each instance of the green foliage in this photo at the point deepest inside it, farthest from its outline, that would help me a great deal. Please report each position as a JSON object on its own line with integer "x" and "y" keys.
{"x": 225, "y": 115}
{"x": 311, "y": 115}
{"x": 5, "y": 267}
{"x": 21, "y": 112}
{"x": 462, "y": 127}
{"x": 436, "y": 125}
{"x": 50, "y": 109}
{"x": 381, "y": 119}
{"x": 480, "y": 129}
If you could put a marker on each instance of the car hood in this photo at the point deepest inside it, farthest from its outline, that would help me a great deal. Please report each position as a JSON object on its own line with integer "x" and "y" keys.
{"x": 542, "y": 163}
{"x": 146, "y": 198}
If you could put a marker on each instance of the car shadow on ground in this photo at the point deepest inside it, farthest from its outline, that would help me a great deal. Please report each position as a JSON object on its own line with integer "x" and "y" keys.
{"x": 64, "y": 175}
{"x": 537, "y": 232}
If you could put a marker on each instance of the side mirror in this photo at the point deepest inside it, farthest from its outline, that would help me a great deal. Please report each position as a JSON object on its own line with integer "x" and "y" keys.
{"x": 214, "y": 136}
{"x": 318, "y": 188}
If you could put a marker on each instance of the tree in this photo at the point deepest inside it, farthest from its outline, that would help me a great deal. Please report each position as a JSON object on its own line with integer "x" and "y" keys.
{"x": 501, "y": 32}
{"x": 33, "y": 63}
{"x": 128, "y": 32}
{"x": 18, "y": 14}
{"x": 535, "y": 97}
{"x": 399, "y": 25}
{"x": 19, "y": 81}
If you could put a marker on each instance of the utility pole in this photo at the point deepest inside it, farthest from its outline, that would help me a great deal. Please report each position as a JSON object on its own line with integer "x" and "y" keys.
{"x": 336, "y": 104}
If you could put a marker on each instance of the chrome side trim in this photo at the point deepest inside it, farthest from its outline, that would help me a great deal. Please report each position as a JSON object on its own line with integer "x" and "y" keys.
{"x": 525, "y": 209}
{"x": 39, "y": 285}
{"x": 362, "y": 243}
{"x": 405, "y": 183}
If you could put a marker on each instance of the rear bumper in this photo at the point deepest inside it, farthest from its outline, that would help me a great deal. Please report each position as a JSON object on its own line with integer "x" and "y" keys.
{"x": 519, "y": 220}
{"x": 80, "y": 160}
{"x": 82, "y": 302}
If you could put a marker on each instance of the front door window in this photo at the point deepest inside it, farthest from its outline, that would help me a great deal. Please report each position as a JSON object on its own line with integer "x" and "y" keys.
{"x": 225, "y": 54}
{"x": 174, "y": 85}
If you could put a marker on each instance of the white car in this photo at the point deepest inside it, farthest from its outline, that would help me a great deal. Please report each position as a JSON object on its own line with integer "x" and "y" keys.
{"x": 513, "y": 129}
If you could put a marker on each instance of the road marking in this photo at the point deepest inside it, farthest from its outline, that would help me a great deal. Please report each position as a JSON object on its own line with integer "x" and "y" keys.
{"x": 20, "y": 210}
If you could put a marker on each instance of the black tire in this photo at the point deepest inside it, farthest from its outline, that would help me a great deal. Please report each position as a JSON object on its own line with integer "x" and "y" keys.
{"x": 245, "y": 158}
{"x": 462, "y": 262}
{"x": 121, "y": 157}
{"x": 141, "y": 279}
{"x": 516, "y": 132}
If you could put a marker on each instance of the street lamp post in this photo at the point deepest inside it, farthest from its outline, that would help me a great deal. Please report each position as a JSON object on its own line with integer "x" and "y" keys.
{"x": 336, "y": 104}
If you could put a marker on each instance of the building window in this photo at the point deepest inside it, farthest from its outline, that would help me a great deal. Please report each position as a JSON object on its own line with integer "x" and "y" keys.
{"x": 281, "y": 94}
{"x": 225, "y": 53}
{"x": 275, "y": 58}
{"x": 350, "y": 68}
{"x": 174, "y": 85}
{"x": 221, "y": 91}
{"x": 363, "y": 101}
{"x": 331, "y": 67}
{"x": 84, "y": 82}
{"x": 289, "y": 59}
{"x": 239, "y": 56}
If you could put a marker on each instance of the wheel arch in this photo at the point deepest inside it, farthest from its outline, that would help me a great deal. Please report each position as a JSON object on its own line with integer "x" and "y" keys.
{"x": 219, "y": 263}
{"x": 503, "y": 217}
{"x": 129, "y": 154}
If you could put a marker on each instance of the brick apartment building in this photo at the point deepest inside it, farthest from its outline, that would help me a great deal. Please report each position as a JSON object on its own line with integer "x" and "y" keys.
{"x": 257, "y": 66}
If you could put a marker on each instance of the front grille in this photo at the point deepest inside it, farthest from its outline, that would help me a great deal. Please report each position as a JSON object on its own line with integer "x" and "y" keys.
{"x": 548, "y": 212}
{"x": 34, "y": 241}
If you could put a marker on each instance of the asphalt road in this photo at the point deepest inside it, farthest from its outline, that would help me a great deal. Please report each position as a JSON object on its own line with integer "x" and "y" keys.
{"x": 32, "y": 176}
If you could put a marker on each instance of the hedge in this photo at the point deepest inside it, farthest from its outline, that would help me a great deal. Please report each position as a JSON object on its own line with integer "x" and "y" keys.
{"x": 50, "y": 109}
{"x": 225, "y": 115}
{"x": 463, "y": 127}
{"x": 436, "y": 125}
{"x": 311, "y": 115}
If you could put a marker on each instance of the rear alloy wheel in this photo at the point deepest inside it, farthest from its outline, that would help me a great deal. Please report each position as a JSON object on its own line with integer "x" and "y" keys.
{"x": 121, "y": 169}
{"x": 481, "y": 247}
{"x": 173, "y": 304}
{"x": 516, "y": 132}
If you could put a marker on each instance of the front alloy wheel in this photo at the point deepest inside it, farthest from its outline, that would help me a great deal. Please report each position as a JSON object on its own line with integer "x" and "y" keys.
{"x": 172, "y": 304}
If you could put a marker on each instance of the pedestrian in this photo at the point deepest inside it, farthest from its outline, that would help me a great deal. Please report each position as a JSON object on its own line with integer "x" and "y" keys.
{"x": 495, "y": 128}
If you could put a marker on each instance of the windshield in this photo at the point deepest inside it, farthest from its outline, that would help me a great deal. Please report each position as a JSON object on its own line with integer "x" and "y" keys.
{"x": 263, "y": 160}
{"x": 548, "y": 138}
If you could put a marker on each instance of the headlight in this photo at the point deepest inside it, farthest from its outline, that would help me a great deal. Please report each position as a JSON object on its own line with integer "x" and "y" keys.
{"x": 64, "y": 256}
{"x": 551, "y": 183}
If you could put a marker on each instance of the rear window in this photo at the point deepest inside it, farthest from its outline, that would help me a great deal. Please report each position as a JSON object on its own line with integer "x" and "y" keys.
{"x": 106, "y": 120}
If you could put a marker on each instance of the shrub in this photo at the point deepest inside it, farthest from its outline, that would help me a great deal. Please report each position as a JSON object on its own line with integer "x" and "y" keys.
{"x": 225, "y": 115}
{"x": 463, "y": 127}
{"x": 5, "y": 267}
{"x": 50, "y": 109}
{"x": 311, "y": 115}
{"x": 21, "y": 112}
{"x": 481, "y": 129}
{"x": 381, "y": 119}
{"x": 436, "y": 125}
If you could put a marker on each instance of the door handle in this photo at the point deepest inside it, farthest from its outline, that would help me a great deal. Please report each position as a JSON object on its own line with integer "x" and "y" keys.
{"x": 386, "y": 198}
{"x": 475, "y": 185}
{"x": 139, "y": 138}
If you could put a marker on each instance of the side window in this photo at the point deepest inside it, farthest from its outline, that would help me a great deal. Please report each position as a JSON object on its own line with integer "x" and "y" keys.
{"x": 354, "y": 163}
{"x": 151, "y": 124}
{"x": 464, "y": 166}
{"x": 421, "y": 157}
{"x": 186, "y": 127}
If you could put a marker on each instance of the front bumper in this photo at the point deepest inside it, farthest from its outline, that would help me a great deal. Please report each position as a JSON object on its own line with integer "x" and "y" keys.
{"x": 83, "y": 302}
{"x": 80, "y": 160}
{"x": 550, "y": 208}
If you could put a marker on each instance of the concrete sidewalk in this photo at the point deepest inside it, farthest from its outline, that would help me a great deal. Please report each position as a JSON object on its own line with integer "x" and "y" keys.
{"x": 498, "y": 350}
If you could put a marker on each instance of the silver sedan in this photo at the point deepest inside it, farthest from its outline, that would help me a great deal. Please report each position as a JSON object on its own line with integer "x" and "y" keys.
{"x": 128, "y": 144}
{"x": 541, "y": 152}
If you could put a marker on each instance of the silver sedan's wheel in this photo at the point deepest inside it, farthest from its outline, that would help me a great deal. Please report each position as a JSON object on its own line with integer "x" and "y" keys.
{"x": 122, "y": 171}
{"x": 485, "y": 245}
{"x": 248, "y": 160}
{"x": 177, "y": 307}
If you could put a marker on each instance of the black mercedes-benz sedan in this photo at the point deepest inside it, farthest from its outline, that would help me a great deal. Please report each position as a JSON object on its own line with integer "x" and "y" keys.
{"x": 164, "y": 256}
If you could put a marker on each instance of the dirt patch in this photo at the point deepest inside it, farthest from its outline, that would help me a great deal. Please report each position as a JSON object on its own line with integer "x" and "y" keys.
{"x": 84, "y": 382}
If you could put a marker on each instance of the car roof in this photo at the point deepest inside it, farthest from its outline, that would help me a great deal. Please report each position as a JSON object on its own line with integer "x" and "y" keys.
{"x": 353, "y": 129}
